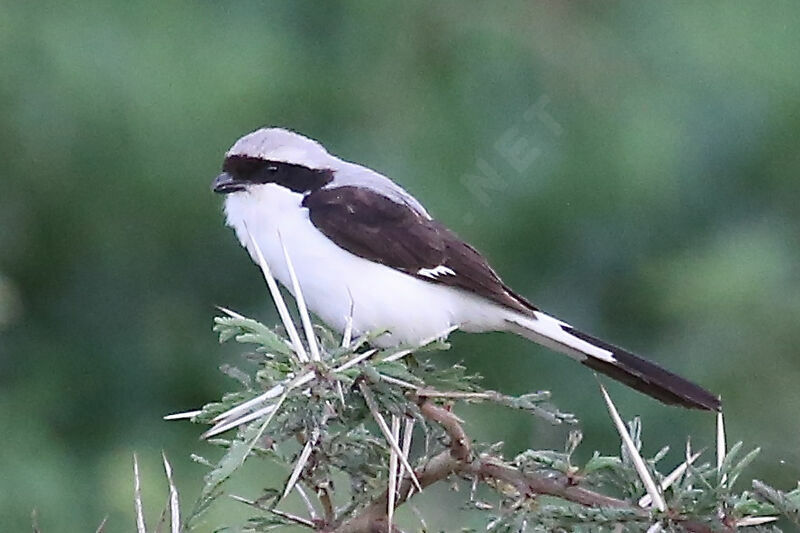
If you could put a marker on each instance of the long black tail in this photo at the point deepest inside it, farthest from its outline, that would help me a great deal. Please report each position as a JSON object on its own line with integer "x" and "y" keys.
{"x": 616, "y": 363}
{"x": 648, "y": 377}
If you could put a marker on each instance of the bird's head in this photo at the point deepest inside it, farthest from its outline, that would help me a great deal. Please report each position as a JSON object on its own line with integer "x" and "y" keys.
{"x": 275, "y": 155}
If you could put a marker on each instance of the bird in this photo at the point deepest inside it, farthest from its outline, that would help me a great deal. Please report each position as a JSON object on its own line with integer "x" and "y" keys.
{"x": 367, "y": 254}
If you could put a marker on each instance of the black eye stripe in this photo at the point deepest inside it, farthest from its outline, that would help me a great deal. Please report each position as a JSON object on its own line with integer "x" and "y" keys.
{"x": 254, "y": 170}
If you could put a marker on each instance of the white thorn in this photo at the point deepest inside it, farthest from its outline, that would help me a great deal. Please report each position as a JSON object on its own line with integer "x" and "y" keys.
{"x": 137, "y": 497}
{"x": 275, "y": 391}
{"x": 638, "y": 462}
{"x": 304, "y": 496}
{"x": 263, "y": 427}
{"x": 340, "y": 392}
{"x": 355, "y": 360}
{"x": 373, "y": 408}
{"x": 392, "y": 491}
{"x": 755, "y": 520}
{"x": 400, "y": 382}
{"x": 301, "y": 463}
{"x": 240, "y": 499}
{"x": 232, "y": 314}
{"x": 689, "y": 453}
{"x": 174, "y": 504}
{"x": 301, "y": 304}
{"x": 224, "y": 425}
{"x": 721, "y": 446}
{"x": 184, "y": 415}
{"x": 673, "y": 476}
{"x": 408, "y": 432}
{"x": 655, "y": 528}
{"x": 102, "y": 527}
{"x": 347, "y": 336}
{"x": 294, "y": 518}
{"x": 283, "y": 311}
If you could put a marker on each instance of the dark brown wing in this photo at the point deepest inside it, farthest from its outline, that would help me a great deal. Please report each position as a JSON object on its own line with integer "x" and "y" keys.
{"x": 372, "y": 226}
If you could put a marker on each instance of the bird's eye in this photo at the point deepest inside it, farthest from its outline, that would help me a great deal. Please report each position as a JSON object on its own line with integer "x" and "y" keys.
{"x": 272, "y": 169}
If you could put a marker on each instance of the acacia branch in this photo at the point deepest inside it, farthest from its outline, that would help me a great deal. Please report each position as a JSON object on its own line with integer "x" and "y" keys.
{"x": 458, "y": 460}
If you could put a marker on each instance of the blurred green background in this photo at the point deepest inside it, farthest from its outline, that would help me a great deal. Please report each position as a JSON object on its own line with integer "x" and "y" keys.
{"x": 633, "y": 168}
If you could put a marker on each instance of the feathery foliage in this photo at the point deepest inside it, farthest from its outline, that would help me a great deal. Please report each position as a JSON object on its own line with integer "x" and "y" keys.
{"x": 327, "y": 427}
{"x": 324, "y": 417}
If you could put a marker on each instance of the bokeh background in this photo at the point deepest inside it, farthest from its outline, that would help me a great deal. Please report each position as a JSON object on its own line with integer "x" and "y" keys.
{"x": 633, "y": 168}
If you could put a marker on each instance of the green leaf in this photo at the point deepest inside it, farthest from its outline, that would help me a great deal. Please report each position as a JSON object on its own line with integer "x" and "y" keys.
{"x": 601, "y": 462}
{"x": 736, "y": 470}
{"x": 786, "y": 503}
{"x": 234, "y": 457}
{"x": 246, "y": 330}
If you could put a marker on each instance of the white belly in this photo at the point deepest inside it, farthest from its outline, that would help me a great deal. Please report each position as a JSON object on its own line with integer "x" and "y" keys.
{"x": 332, "y": 278}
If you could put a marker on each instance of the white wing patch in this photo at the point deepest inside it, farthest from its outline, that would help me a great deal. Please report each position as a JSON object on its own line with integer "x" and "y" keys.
{"x": 435, "y": 272}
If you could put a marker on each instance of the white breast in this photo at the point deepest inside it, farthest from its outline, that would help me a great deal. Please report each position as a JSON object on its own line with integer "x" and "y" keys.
{"x": 331, "y": 278}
